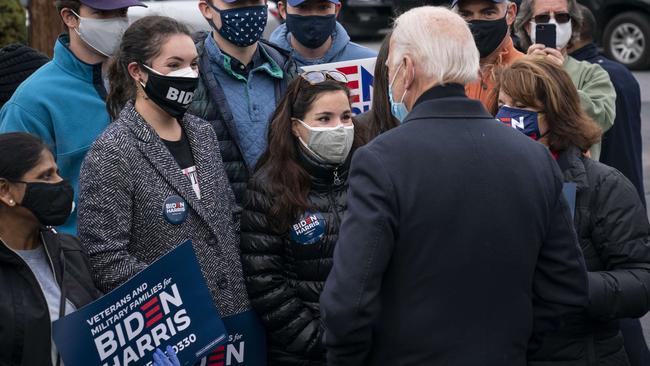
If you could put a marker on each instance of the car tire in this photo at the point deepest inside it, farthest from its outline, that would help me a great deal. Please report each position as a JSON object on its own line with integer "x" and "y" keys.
{"x": 627, "y": 40}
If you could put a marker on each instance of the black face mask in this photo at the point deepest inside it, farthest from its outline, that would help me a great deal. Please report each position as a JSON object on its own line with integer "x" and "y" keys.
{"x": 488, "y": 34}
{"x": 313, "y": 30}
{"x": 51, "y": 203}
{"x": 173, "y": 94}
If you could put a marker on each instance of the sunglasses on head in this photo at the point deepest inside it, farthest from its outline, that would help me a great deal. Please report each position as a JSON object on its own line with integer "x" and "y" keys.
{"x": 561, "y": 18}
{"x": 317, "y": 77}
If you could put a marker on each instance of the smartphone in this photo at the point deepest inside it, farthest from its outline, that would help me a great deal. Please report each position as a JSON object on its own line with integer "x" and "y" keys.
{"x": 545, "y": 34}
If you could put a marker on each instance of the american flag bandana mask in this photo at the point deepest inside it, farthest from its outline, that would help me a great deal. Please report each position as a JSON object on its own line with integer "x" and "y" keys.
{"x": 242, "y": 26}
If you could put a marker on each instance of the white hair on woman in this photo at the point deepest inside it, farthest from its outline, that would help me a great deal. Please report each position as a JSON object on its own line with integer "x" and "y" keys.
{"x": 439, "y": 42}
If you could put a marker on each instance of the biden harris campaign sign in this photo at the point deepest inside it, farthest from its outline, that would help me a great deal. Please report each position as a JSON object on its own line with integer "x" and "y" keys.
{"x": 360, "y": 74}
{"x": 167, "y": 304}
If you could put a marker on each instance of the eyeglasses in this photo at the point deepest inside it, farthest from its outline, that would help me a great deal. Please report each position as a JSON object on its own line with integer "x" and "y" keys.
{"x": 317, "y": 77}
{"x": 561, "y": 18}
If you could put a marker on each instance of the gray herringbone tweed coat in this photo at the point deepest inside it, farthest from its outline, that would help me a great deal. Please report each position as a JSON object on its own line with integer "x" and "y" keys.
{"x": 126, "y": 177}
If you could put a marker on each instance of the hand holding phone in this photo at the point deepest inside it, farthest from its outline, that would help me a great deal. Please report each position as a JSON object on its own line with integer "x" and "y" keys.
{"x": 546, "y": 34}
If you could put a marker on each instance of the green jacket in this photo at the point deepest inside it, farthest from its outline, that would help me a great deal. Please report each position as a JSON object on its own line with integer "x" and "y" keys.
{"x": 597, "y": 94}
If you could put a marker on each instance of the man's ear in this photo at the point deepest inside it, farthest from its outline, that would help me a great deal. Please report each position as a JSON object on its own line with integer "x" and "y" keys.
{"x": 511, "y": 12}
{"x": 205, "y": 9}
{"x": 282, "y": 9}
{"x": 338, "y": 9}
{"x": 409, "y": 74}
{"x": 69, "y": 19}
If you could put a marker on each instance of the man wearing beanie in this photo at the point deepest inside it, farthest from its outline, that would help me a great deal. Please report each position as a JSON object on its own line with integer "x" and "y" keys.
{"x": 17, "y": 63}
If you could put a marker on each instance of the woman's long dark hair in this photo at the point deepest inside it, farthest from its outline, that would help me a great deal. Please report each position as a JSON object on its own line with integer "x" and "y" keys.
{"x": 289, "y": 182}
{"x": 380, "y": 118}
{"x": 141, "y": 42}
{"x": 20, "y": 152}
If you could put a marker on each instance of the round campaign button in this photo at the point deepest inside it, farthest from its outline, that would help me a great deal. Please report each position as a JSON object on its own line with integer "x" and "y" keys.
{"x": 175, "y": 210}
{"x": 309, "y": 229}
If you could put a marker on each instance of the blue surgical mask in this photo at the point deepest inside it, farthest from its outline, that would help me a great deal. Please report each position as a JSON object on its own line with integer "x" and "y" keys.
{"x": 398, "y": 109}
{"x": 522, "y": 120}
{"x": 241, "y": 26}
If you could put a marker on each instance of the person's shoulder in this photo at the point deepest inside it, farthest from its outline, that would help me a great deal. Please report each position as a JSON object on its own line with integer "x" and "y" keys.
{"x": 69, "y": 243}
{"x": 260, "y": 181}
{"x": 583, "y": 67}
{"x": 357, "y": 51}
{"x": 39, "y": 86}
{"x": 279, "y": 36}
{"x": 600, "y": 173}
{"x": 199, "y": 39}
{"x": 117, "y": 137}
{"x": 199, "y": 125}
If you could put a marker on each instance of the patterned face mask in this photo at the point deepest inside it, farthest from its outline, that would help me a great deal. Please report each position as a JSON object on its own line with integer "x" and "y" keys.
{"x": 241, "y": 26}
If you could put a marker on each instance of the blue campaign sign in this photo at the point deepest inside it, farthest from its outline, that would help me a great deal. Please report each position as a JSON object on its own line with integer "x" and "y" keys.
{"x": 569, "y": 190}
{"x": 166, "y": 304}
{"x": 246, "y": 344}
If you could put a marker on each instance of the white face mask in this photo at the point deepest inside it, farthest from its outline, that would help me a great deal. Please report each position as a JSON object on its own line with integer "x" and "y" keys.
{"x": 563, "y": 33}
{"x": 103, "y": 35}
{"x": 329, "y": 144}
{"x": 187, "y": 72}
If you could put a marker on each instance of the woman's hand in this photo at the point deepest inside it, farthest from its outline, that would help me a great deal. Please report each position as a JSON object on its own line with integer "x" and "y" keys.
{"x": 168, "y": 359}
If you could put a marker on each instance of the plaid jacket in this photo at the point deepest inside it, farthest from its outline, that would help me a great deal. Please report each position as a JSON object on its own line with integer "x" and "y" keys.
{"x": 125, "y": 179}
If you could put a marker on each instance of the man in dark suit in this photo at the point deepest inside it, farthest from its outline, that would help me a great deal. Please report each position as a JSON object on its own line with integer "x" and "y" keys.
{"x": 457, "y": 247}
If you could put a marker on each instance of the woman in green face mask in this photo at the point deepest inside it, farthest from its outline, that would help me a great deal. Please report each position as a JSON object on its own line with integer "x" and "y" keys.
{"x": 293, "y": 210}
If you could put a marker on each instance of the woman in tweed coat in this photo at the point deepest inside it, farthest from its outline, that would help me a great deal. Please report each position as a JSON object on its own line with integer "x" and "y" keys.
{"x": 134, "y": 169}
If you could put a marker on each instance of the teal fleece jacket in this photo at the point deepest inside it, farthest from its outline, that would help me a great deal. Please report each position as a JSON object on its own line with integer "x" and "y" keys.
{"x": 63, "y": 103}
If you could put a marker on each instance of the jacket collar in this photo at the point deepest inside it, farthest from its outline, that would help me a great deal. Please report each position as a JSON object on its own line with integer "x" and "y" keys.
{"x": 573, "y": 167}
{"x": 52, "y": 250}
{"x": 447, "y": 101}
{"x": 585, "y": 53}
{"x": 69, "y": 63}
{"x": 154, "y": 150}
{"x": 324, "y": 176}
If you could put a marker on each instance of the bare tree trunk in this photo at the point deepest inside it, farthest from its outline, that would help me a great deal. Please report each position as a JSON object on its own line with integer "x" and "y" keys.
{"x": 44, "y": 25}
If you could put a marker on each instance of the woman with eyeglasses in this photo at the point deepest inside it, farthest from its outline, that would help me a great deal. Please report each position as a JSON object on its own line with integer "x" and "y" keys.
{"x": 538, "y": 98}
{"x": 293, "y": 210}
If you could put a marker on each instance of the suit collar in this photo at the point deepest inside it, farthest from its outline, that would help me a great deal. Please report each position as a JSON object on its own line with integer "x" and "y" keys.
{"x": 448, "y": 101}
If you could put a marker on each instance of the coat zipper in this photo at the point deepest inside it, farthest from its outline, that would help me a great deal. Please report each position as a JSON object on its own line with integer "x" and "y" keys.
{"x": 47, "y": 253}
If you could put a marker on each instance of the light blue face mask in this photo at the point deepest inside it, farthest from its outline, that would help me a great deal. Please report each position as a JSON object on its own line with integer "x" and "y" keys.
{"x": 398, "y": 110}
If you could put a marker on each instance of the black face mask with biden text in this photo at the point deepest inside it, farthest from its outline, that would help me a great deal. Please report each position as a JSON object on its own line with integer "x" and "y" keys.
{"x": 172, "y": 92}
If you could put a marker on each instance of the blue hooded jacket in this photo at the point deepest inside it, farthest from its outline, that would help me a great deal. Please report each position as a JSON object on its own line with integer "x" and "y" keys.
{"x": 342, "y": 48}
{"x": 63, "y": 104}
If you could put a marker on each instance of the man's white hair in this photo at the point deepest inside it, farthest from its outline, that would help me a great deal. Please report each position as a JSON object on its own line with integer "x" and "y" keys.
{"x": 439, "y": 42}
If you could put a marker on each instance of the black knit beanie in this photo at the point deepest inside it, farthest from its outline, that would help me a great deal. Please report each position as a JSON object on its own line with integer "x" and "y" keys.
{"x": 17, "y": 62}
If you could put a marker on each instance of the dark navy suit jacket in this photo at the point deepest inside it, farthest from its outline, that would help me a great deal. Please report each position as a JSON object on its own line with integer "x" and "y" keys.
{"x": 457, "y": 246}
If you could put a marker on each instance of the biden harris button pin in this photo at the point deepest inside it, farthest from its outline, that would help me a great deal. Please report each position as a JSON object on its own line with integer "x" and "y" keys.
{"x": 309, "y": 229}
{"x": 175, "y": 210}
